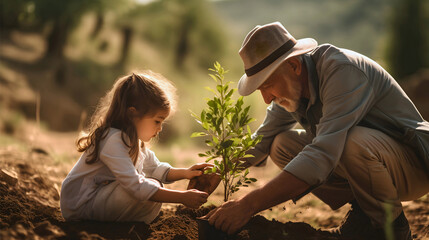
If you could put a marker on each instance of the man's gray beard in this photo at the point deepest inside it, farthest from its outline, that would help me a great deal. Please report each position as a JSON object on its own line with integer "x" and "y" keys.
{"x": 294, "y": 106}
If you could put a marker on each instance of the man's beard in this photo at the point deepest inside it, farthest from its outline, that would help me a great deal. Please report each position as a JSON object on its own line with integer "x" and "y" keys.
{"x": 288, "y": 104}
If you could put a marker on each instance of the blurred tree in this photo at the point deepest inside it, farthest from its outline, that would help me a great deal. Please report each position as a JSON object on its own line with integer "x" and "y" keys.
{"x": 98, "y": 24}
{"x": 16, "y": 14}
{"x": 127, "y": 33}
{"x": 61, "y": 17}
{"x": 188, "y": 29}
{"x": 127, "y": 22}
{"x": 408, "y": 44}
{"x": 64, "y": 16}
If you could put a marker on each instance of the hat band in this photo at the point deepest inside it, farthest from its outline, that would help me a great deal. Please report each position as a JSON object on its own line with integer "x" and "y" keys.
{"x": 270, "y": 58}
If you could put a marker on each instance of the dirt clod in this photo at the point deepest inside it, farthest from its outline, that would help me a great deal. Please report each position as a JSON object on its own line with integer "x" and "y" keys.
{"x": 10, "y": 177}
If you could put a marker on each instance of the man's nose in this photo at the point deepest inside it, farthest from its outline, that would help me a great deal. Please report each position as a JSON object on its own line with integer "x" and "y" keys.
{"x": 268, "y": 98}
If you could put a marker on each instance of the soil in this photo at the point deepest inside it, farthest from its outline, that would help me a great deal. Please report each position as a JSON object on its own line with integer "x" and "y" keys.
{"x": 29, "y": 209}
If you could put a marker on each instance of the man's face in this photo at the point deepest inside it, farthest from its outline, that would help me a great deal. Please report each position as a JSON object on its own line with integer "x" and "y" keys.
{"x": 283, "y": 87}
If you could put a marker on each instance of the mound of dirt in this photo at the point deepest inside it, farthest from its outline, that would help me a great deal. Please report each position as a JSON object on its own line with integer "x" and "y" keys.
{"x": 29, "y": 209}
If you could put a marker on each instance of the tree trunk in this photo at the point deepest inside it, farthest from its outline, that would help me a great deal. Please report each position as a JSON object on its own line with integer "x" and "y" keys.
{"x": 182, "y": 46}
{"x": 57, "y": 39}
{"x": 98, "y": 25}
{"x": 127, "y": 33}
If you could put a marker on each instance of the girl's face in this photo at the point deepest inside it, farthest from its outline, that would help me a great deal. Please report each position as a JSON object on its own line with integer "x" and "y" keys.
{"x": 149, "y": 126}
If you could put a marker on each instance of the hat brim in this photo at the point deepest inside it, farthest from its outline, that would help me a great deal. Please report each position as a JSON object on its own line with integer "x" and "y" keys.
{"x": 248, "y": 85}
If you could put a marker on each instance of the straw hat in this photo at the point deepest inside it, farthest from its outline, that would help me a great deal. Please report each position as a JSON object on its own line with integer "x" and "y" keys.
{"x": 264, "y": 49}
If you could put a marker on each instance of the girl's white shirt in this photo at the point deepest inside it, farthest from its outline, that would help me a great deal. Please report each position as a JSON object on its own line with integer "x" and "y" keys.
{"x": 81, "y": 185}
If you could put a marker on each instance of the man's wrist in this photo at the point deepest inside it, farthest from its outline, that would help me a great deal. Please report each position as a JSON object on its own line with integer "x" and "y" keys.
{"x": 251, "y": 206}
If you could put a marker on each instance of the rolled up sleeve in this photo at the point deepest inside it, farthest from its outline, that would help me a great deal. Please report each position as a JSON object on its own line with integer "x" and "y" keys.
{"x": 152, "y": 167}
{"x": 347, "y": 96}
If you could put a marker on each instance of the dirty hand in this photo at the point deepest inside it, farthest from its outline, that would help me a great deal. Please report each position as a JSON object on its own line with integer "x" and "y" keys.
{"x": 205, "y": 182}
{"x": 230, "y": 216}
{"x": 197, "y": 170}
{"x": 194, "y": 198}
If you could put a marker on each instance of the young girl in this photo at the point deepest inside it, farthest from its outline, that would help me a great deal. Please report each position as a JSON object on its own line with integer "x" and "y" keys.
{"x": 117, "y": 178}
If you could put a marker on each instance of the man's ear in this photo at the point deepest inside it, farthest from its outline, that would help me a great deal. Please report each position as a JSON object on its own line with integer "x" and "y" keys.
{"x": 295, "y": 64}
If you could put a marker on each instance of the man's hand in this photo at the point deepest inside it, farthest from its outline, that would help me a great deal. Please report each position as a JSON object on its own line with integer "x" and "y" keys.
{"x": 193, "y": 198}
{"x": 233, "y": 215}
{"x": 230, "y": 216}
{"x": 205, "y": 182}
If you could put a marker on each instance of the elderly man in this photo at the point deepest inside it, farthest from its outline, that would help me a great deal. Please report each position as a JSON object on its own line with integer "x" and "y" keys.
{"x": 364, "y": 142}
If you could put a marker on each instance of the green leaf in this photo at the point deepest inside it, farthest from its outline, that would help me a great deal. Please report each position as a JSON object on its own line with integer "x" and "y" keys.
{"x": 227, "y": 143}
{"x": 213, "y": 77}
{"x": 205, "y": 125}
{"x": 219, "y": 88}
{"x": 212, "y": 103}
{"x": 209, "y": 143}
{"x": 225, "y": 88}
{"x": 229, "y": 94}
{"x": 198, "y": 134}
{"x": 211, "y": 90}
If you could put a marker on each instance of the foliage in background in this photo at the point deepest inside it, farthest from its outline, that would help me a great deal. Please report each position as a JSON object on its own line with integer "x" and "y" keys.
{"x": 408, "y": 43}
{"x": 176, "y": 38}
{"x": 61, "y": 17}
{"x": 225, "y": 122}
{"x": 89, "y": 44}
{"x": 186, "y": 29}
{"x": 358, "y": 25}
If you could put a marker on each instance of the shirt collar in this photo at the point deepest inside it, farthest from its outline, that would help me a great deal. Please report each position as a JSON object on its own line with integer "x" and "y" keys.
{"x": 313, "y": 80}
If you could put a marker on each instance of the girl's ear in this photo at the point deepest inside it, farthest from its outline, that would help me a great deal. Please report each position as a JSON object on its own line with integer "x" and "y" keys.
{"x": 131, "y": 112}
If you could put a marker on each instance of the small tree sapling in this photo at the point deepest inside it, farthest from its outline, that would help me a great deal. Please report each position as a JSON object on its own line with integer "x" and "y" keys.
{"x": 225, "y": 123}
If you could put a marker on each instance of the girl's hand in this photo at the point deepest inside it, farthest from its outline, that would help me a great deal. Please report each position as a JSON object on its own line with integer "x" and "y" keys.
{"x": 197, "y": 170}
{"x": 193, "y": 198}
{"x": 206, "y": 182}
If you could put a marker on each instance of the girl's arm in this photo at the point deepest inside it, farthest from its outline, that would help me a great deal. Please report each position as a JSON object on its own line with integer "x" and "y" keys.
{"x": 190, "y": 198}
{"x": 187, "y": 173}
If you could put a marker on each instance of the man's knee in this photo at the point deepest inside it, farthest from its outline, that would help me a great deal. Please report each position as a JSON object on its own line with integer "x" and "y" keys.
{"x": 286, "y": 146}
{"x": 358, "y": 146}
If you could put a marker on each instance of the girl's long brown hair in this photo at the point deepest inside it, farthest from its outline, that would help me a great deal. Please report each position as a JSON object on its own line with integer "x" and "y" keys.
{"x": 147, "y": 92}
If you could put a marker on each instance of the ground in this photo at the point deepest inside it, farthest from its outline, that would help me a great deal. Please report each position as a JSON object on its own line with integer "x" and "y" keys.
{"x": 31, "y": 179}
